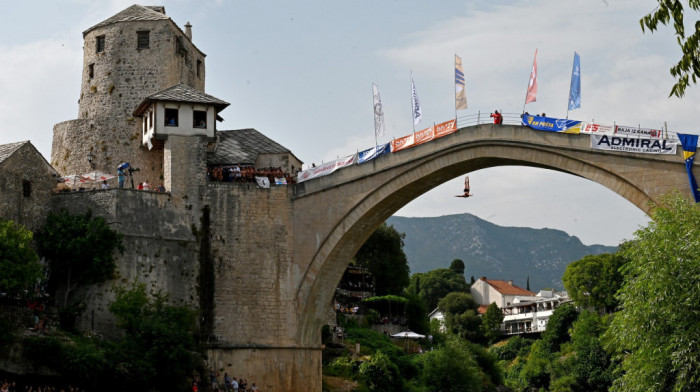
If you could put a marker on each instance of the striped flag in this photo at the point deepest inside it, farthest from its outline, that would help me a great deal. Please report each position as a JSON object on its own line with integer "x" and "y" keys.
{"x": 460, "y": 87}
{"x": 532, "y": 84}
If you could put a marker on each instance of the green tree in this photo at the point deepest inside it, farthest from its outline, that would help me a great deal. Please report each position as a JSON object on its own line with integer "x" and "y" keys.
{"x": 461, "y": 316}
{"x": 158, "y": 350}
{"x": 688, "y": 67}
{"x": 491, "y": 323}
{"x": 382, "y": 254}
{"x": 593, "y": 280}
{"x": 656, "y": 333}
{"x": 590, "y": 363}
{"x": 451, "y": 367}
{"x": 557, "y": 331}
{"x": 80, "y": 249}
{"x": 457, "y": 266}
{"x": 19, "y": 266}
{"x": 434, "y": 285}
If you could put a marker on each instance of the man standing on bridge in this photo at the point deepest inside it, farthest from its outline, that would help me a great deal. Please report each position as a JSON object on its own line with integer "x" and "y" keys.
{"x": 497, "y": 117}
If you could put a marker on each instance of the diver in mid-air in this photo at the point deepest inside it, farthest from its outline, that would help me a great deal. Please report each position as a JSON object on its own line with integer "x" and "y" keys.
{"x": 466, "y": 188}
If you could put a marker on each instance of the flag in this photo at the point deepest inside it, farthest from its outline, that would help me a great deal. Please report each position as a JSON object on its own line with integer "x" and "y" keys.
{"x": 378, "y": 113}
{"x": 460, "y": 91}
{"x": 690, "y": 143}
{"x": 417, "y": 113}
{"x": 532, "y": 85}
{"x": 575, "y": 90}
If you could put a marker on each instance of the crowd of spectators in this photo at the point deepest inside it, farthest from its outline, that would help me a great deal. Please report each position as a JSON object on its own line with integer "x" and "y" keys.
{"x": 358, "y": 285}
{"x": 8, "y": 385}
{"x": 228, "y": 383}
{"x": 247, "y": 173}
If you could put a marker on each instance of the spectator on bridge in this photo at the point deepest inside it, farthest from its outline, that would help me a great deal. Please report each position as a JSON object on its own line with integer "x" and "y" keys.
{"x": 466, "y": 188}
{"x": 497, "y": 117}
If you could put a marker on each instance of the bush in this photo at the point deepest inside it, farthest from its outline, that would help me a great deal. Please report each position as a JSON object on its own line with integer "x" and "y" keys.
{"x": 451, "y": 367}
{"x": 380, "y": 374}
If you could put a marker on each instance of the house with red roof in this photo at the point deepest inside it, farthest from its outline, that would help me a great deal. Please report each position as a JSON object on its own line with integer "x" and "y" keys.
{"x": 487, "y": 291}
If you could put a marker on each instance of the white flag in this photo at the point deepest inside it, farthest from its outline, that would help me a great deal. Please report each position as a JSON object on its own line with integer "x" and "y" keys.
{"x": 378, "y": 113}
{"x": 417, "y": 113}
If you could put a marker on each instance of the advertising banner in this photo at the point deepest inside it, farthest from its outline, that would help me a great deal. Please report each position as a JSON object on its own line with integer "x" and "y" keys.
{"x": 325, "y": 168}
{"x": 637, "y": 145}
{"x": 368, "y": 155}
{"x": 424, "y": 135}
{"x": 638, "y": 132}
{"x": 402, "y": 143}
{"x": 445, "y": 128}
{"x": 598, "y": 129}
{"x": 552, "y": 124}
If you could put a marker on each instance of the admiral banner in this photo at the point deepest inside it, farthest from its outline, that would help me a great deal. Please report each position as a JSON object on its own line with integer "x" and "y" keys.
{"x": 627, "y": 144}
{"x": 326, "y": 168}
{"x": 552, "y": 124}
{"x": 445, "y": 128}
{"x": 636, "y": 131}
{"x": 598, "y": 129}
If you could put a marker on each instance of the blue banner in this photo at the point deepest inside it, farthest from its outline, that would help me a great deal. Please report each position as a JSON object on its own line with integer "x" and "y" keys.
{"x": 368, "y": 155}
{"x": 551, "y": 124}
{"x": 575, "y": 90}
{"x": 690, "y": 143}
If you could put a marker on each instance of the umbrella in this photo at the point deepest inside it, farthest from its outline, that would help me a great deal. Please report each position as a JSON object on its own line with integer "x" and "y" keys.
{"x": 74, "y": 179}
{"x": 408, "y": 335}
{"x": 98, "y": 176}
{"x": 123, "y": 166}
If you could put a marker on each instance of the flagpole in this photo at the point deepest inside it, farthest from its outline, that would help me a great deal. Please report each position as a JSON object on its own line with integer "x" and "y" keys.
{"x": 453, "y": 88}
{"x": 413, "y": 119}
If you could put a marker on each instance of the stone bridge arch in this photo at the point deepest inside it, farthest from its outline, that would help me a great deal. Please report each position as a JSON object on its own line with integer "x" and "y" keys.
{"x": 334, "y": 215}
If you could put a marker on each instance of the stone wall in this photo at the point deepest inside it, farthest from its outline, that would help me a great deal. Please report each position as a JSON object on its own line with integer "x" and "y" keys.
{"x": 160, "y": 250}
{"x": 26, "y": 164}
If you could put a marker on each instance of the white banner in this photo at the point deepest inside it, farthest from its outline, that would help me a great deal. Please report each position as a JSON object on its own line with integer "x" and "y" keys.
{"x": 627, "y": 144}
{"x": 598, "y": 129}
{"x": 326, "y": 168}
{"x": 639, "y": 132}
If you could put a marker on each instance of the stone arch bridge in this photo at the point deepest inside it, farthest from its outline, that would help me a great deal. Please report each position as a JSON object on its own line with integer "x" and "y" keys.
{"x": 331, "y": 217}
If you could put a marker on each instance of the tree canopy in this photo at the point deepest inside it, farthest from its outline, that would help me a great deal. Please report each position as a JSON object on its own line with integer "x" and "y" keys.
{"x": 688, "y": 67}
{"x": 434, "y": 285}
{"x": 80, "y": 249}
{"x": 593, "y": 280}
{"x": 457, "y": 266}
{"x": 383, "y": 256}
{"x": 656, "y": 332}
{"x": 19, "y": 266}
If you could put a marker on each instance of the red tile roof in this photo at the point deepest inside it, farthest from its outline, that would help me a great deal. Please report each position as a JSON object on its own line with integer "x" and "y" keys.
{"x": 482, "y": 309}
{"x": 506, "y": 288}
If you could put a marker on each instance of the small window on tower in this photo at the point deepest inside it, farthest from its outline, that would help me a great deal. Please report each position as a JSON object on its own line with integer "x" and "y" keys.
{"x": 143, "y": 40}
{"x": 100, "y": 44}
{"x": 91, "y": 71}
{"x": 171, "y": 117}
{"x": 200, "y": 119}
{"x": 27, "y": 188}
{"x": 199, "y": 68}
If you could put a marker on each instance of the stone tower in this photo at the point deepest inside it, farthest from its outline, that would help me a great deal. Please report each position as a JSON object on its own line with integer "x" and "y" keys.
{"x": 127, "y": 57}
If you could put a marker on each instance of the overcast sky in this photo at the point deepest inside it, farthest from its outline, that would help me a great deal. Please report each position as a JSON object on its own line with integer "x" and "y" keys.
{"x": 301, "y": 73}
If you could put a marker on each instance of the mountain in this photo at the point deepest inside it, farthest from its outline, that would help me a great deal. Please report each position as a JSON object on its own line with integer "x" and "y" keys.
{"x": 496, "y": 252}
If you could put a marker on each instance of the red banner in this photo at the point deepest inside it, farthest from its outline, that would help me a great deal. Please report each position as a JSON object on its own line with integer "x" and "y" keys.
{"x": 402, "y": 143}
{"x": 424, "y": 135}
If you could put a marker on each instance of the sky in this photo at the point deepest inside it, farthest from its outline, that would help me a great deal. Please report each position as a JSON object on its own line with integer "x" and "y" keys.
{"x": 301, "y": 72}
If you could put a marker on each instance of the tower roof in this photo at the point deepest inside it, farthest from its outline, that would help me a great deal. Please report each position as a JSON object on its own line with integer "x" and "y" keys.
{"x": 242, "y": 146}
{"x": 181, "y": 93}
{"x": 134, "y": 13}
